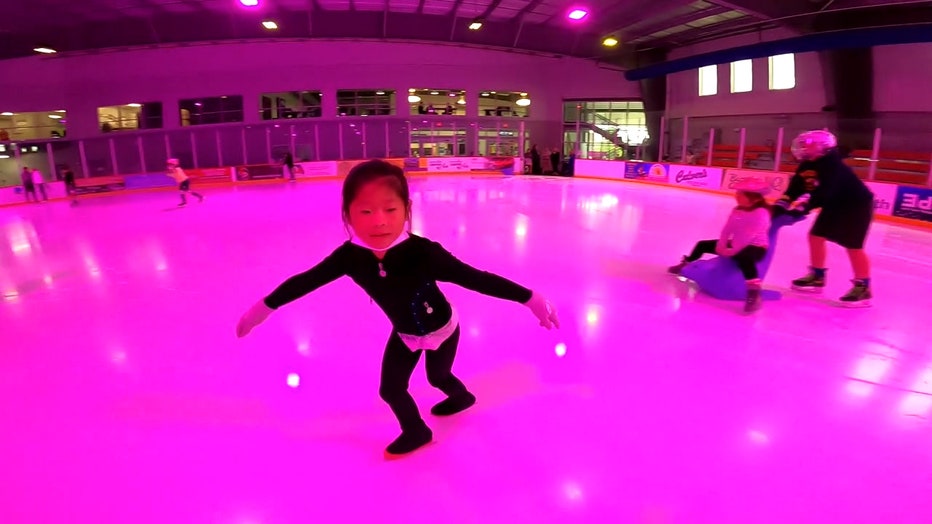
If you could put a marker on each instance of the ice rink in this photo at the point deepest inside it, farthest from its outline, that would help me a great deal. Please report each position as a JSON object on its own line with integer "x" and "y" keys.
{"x": 127, "y": 398}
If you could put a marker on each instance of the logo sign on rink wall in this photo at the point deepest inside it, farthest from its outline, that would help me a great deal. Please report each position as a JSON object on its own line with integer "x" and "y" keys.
{"x": 913, "y": 202}
{"x": 696, "y": 176}
{"x": 884, "y": 197}
{"x": 646, "y": 171}
{"x": 776, "y": 180}
{"x": 315, "y": 169}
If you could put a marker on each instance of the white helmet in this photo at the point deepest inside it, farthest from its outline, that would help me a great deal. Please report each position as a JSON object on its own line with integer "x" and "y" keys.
{"x": 811, "y": 145}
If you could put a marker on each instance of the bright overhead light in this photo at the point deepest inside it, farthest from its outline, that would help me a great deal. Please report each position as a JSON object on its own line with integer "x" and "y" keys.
{"x": 578, "y": 14}
{"x": 523, "y": 102}
{"x": 45, "y": 50}
{"x": 435, "y": 92}
{"x": 380, "y": 92}
{"x": 413, "y": 99}
{"x": 476, "y": 25}
{"x": 461, "y": 101}
{"x": 269, "y": 24}
{"x": 249, "y": 3}
{"x": 610, "y": 41}
{"x": 56, "y": 117}
{"x": 6, "y": 113}
{"x": 133, "y": 105}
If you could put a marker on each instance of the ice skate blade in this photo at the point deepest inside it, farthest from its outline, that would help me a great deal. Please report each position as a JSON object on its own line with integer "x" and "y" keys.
{"x": 860, "y": 304}
{"x": 392, "y": 456}
{"x": 808, "y": 290}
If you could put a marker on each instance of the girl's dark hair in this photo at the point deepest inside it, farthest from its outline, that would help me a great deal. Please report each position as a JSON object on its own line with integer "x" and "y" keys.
{"x": 757, "y": 200}
{"x": 369, "y": 171}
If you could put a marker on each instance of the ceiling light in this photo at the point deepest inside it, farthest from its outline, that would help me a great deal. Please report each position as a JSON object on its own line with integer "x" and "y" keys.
{"x": 475, "y": 25}
{"x": 56, "y": 117}
{"x": 45, "y": 50}
{"x": 610, "y": 41}
{"x": 523, "y": 94}
{"x": 269, "y": 24}
{"x": 380, "y": 92}
{"x": 461, "y": 101}
{"x": 485, "y": 94}
{"x": 435, "y": 92}
{"x": 59, "y": 110}
{"x": 249, "y": 3}
{"x": 134, "y": 105}
{"x": 6, "y": 113}
{"x": 413, "y": 99}
{"x": 577, "y": 14}
{"x": 523, "y": 102}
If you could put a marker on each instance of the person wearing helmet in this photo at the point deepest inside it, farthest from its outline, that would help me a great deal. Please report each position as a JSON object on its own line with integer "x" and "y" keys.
{"x": 184, "y": 182}
{"x": 823, "y": 181}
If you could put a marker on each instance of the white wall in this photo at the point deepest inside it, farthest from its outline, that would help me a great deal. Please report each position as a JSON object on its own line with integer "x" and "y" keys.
{"x": 903, "y": 78}
{"x": 80, "y": 84}
{"x": 809, "y": 95}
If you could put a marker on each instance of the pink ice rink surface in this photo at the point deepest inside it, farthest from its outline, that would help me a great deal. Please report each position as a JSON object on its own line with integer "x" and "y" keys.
{"x": 126, "y": 397}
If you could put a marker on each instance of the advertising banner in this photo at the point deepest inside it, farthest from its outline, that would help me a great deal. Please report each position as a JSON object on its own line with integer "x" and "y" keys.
{"x": 776, "y": 180}
{"x": 913, "y": 202}
{"x": 259, "y": 172}
{"x": 611, "y": 169}
{"x": 884, "y": 197}
{"x": 696, "y": 176}
{"x": 646, "y": 171}
{"x": 315, "y": 169}
{"x": 216, "y": 174}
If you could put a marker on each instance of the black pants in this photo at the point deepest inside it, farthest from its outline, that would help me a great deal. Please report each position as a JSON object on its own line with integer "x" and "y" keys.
{"x": 746, "y": 259}
{"x": 399, "y": 362}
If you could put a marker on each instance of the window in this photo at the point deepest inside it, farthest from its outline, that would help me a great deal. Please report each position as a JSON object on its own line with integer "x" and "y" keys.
{"x": 708, "y": 80}
{"x": 437, "y": 101}
{"x": 742, "y": 76}
{"x": 130, "y": 117}
{"x": 291, "y": 104}
{"x": 32, "y": 126}
{"x": 379, "y": 102}
{"x": 213, "y": 110}
{"x": 504, "y": 103}
{"x": 782, "y": 72}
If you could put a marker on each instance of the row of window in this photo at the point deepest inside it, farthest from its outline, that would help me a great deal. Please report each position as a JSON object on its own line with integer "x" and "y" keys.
{"x": 782, "y": 75}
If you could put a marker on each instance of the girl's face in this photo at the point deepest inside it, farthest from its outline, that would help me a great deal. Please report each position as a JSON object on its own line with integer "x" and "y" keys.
{"x": 377, "y": 214}
{"x": 742, "y": 198}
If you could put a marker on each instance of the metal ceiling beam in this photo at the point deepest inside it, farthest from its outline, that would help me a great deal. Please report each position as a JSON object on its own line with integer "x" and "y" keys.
{"x": 672, "y": 22}
{"x": 770, "y": 9}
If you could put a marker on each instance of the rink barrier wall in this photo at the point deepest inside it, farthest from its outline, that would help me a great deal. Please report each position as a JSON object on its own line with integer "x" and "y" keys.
{"x": 267, "y": 174}
{"x": 894, "y": 203}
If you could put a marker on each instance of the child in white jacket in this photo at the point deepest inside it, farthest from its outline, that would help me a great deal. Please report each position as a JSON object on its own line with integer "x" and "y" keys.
{"x": 744, "y": 238}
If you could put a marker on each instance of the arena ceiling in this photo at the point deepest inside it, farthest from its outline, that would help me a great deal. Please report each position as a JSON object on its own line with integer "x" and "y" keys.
{"x": 529, "y": 25}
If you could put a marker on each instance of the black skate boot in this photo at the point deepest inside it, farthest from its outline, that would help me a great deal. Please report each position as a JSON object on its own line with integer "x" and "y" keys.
{"x": 184, "y": 201}
{"x": 677, "y": 269}
{"x": 753, "y": 301}
{"x": 453, "y": 405}
{"x": 859, "y": 296}
{"x": 810, "y": 283}
{"x": 409, "y": 440}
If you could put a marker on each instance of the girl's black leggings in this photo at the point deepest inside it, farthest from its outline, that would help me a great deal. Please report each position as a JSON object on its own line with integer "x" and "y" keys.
{"x": 746, "y": 259}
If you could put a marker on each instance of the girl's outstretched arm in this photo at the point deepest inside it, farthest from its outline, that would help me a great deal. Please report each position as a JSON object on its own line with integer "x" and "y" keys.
{"x": 328, "y": 270}
{"x": 448, "y": 268}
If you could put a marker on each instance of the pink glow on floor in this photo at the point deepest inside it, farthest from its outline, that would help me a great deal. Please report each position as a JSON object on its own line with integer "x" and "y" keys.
{"x": 127, "y": 397}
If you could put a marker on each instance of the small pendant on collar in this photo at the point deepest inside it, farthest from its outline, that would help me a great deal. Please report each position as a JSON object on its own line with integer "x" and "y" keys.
{"x": 428, "y": 308}
{"x": 382, "y": 272}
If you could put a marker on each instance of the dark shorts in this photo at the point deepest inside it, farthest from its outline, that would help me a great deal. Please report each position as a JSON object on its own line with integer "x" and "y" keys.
{"x": 846, "y": 227}
{"x": 185, "y": 186}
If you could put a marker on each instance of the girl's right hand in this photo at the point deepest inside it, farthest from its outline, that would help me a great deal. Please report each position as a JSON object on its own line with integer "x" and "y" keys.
{"x": 252, "y": 318}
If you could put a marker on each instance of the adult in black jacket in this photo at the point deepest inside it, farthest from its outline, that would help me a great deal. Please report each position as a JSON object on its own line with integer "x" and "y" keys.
{"x": 823, "y": 181}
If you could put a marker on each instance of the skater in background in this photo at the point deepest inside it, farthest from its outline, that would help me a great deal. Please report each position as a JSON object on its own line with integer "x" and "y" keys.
{"x": 288, "y": 166}
{"x": 70, "y": 188}
{"x": 184, "y": 183}
{"x": 400, "y": 271}
{"x": 39, "y": 184}
{"x": 744, "y": 238}
{"x": 29, "y": 187}
{"x": 823, "y": 181}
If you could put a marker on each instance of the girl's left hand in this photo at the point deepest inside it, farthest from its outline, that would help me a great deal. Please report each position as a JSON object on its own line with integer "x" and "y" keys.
{"x": 543, "y": 310}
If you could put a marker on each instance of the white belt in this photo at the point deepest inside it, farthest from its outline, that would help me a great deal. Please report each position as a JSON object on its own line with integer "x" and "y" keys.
{"x": 431, "y": 341}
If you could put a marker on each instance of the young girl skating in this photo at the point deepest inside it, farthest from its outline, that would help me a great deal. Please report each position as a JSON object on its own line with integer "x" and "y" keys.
{"x": 184, "y": 181}
{"x": 400, "y": 271}
{"x": 744, "y": 238}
